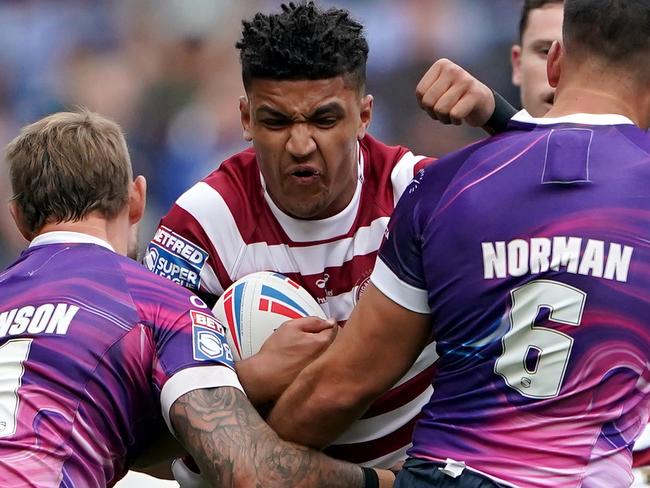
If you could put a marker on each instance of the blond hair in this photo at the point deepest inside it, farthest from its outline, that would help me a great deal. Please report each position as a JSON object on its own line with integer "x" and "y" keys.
{"x": 67, "y": 165}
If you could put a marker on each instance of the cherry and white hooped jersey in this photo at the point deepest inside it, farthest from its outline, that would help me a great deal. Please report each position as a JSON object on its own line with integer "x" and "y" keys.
{"x": 227, "y": 226}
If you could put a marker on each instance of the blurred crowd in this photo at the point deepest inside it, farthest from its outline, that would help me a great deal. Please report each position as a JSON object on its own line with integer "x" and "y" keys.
{"x": 168, "y": 72}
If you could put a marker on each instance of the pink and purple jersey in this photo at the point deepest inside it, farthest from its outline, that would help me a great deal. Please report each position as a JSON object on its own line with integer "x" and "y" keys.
{"x": 531, "y": 253}
{"x": 94, "y": 349}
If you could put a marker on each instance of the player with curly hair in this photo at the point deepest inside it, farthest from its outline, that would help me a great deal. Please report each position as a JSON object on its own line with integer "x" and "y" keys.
{"x": 310, "y": 199}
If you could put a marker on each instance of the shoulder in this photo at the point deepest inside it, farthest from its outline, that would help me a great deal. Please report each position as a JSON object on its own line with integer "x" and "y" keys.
{"x": 239, "y": 169}
{"x": 152, "y": 294}
{"x": 199, "y": 240}
{"x": 232, "y": 187}
{"x": 225, "y": 203}
{"x": 389, "y": 169}
{"x": 383, "y": 159}
{"x": 461, "y": 173}
{"x": 380, "y": 151}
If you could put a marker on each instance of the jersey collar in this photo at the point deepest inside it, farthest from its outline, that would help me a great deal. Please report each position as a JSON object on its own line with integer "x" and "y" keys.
{"x": 300, "y": 230}
{"x": 67, "y": 237}
{"x": 584, "y": 119}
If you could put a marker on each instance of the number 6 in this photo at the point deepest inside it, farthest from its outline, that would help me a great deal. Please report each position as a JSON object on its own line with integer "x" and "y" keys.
{"x": 553, "y": 347}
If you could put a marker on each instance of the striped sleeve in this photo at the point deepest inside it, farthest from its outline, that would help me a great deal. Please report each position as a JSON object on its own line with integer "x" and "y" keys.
{"x": 405, "y": 170}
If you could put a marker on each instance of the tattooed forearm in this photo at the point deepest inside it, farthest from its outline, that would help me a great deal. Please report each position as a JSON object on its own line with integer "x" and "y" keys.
{"x": 234, "y": 447}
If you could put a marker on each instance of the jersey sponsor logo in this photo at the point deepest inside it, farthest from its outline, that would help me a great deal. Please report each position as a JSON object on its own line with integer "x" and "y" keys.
{"x": 589, "y": 257}
{"x": 47, "y": 318}
{"x": 197, "y": 302}
{"x": 204, "y": 320}
{"x": 322, "y": 284}
{"x": 210, "y": 345}
{"x": 173, "y": 257}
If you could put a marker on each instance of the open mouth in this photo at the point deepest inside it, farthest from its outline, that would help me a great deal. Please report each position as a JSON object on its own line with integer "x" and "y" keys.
{"x": 305, "y": 175}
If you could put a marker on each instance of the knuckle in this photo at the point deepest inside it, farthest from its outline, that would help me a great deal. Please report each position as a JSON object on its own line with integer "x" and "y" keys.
{"x": 426, "y": 102}
{"x": 441, "y": 108}
{"x": 457, "y": 115}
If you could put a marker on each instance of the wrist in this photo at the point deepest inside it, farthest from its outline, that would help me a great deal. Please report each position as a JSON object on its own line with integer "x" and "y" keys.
{"x": 258, "y": 387}
{"x": 386, "y": 478}
{"x": 377, "y": 478}
{"x": 503, "y": 112}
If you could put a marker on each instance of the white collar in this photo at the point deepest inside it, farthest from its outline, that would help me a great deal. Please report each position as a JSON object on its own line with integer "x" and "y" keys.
{"x": 585, "y": 119}
{"x": 67, "y": 237}
{"x": 300, "y": 230}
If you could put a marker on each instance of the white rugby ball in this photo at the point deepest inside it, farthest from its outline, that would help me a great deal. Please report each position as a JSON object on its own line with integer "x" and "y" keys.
{"x": 256, "y": 305}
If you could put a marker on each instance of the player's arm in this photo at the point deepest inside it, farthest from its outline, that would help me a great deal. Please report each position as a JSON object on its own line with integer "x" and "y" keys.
{"x": 451, "y": 95}
{"x": 285, "y": 353}
{"x": 379, "y": 343}
{"x": 234, "y": 447}
{"x": 387, "y": 330}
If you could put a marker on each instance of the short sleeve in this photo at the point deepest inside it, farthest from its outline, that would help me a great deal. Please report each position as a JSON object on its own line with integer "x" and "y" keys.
{"x": 191, "y": 351}
{"x": 398, "y": 272}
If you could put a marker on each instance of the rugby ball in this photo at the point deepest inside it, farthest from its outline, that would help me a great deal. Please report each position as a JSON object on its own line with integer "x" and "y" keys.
{"x": 256, "y": 305}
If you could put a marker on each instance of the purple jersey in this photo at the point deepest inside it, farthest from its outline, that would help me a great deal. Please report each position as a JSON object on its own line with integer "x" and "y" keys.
{"x": 531, "y": 253}
{"x": 94, "y": 349}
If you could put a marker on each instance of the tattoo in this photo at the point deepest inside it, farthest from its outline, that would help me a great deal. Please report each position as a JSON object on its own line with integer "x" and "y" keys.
{"x": 233, "y": 446}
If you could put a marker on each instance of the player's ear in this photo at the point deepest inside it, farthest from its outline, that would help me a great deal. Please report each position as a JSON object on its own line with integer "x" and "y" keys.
{"x": 365, "y": 116}
{"x": 137, "y": 199}
{"x": 554, "y": 63}
{"x": 515, "y": 61}
{"x": 245, "y": 114}
{"x": 17, "y": 215}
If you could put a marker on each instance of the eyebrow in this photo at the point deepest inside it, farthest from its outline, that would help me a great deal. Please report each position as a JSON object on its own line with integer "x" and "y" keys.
{"x": 334, "y": 108}
{"x": 266, "y": 110}
{"x": 542, "y": 42}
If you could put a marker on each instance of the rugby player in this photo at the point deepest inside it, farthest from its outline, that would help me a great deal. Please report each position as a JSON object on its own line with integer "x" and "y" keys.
{"x": 310, "y": 199}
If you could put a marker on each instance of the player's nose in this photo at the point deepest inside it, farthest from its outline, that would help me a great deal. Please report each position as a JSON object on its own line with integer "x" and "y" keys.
{"x": 300, "y": 142}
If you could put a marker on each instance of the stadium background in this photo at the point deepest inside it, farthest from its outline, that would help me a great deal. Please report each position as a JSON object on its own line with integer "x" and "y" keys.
{"x": 168, "y": 72}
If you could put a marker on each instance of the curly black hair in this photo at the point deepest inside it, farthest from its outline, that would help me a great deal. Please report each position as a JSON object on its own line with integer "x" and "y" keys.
{"x": 303, "y": 42}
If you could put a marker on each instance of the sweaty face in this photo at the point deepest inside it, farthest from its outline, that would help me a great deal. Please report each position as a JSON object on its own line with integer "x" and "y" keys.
{"x": 305, "y": 137}
{"x": 529, "y": 58}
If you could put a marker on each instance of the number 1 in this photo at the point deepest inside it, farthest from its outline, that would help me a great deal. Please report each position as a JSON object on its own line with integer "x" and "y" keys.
{"x": 12, "y": 356}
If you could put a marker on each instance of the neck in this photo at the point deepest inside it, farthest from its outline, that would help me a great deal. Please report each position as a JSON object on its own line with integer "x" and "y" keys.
{"x": 112, "y": 231}
{"x": 595, "y": 93}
